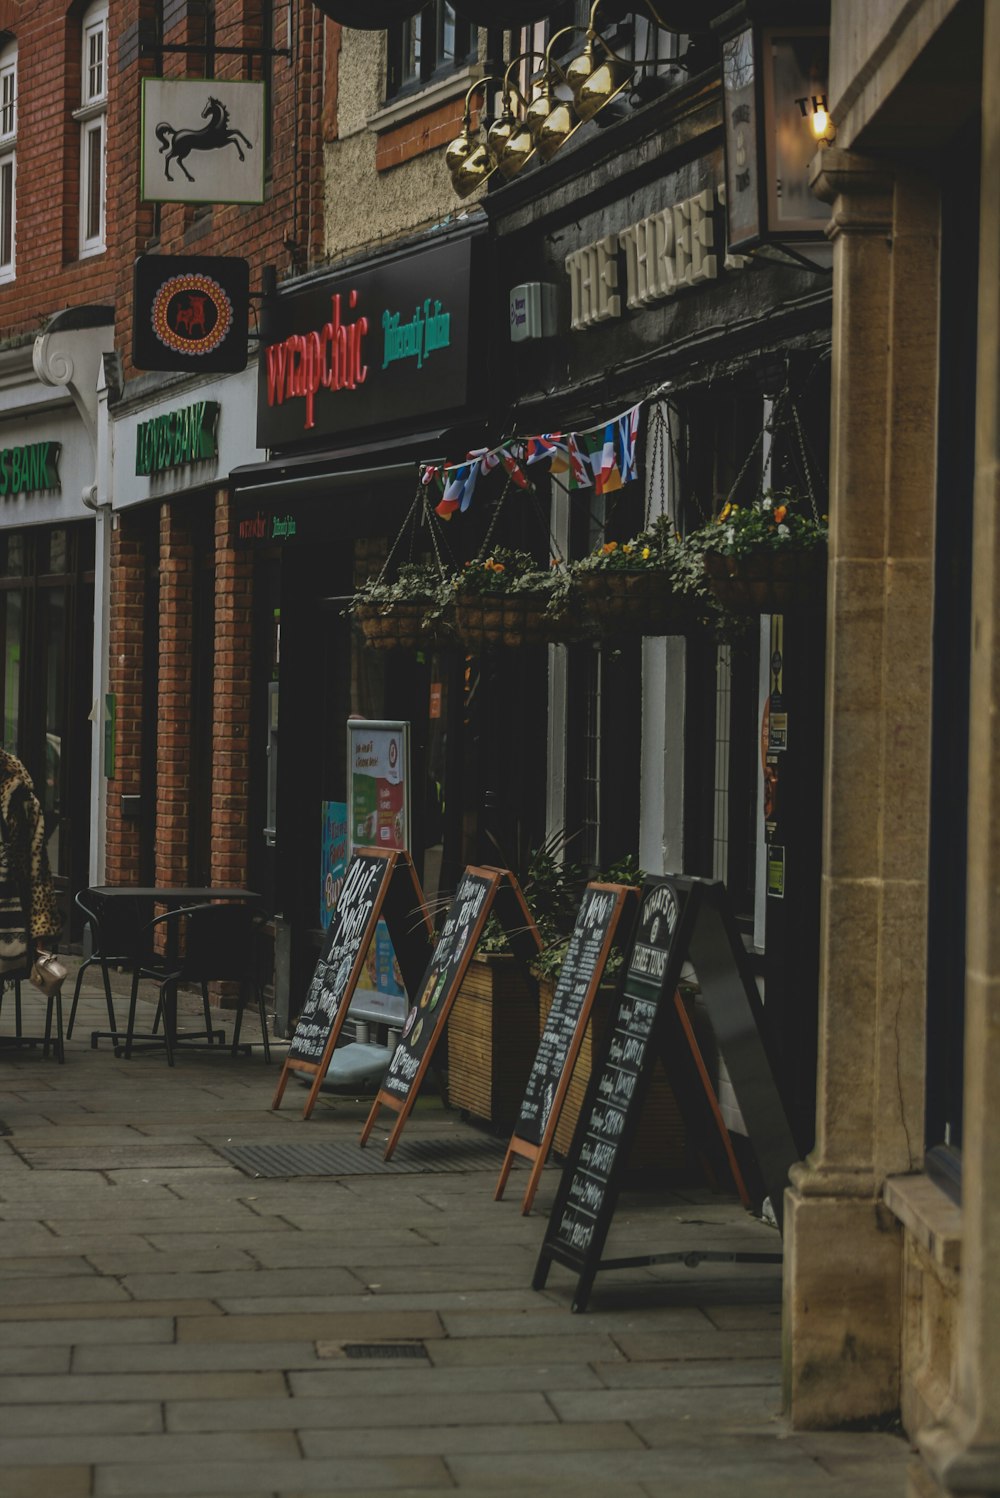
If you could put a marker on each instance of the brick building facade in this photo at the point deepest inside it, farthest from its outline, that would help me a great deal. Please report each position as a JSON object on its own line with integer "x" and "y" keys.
{"x": 75, "y": 222}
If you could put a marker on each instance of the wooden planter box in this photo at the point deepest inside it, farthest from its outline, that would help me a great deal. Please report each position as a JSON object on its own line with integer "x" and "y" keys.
{"x": 660, "y": 1141}
{"x": 492, "y": 1039}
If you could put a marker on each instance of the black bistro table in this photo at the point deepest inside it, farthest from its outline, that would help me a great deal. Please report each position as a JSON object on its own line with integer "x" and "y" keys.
{"x": 170, "y": 897}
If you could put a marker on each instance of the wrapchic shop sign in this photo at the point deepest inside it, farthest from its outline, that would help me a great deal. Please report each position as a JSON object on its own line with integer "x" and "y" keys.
{"x": 392, "y": 338}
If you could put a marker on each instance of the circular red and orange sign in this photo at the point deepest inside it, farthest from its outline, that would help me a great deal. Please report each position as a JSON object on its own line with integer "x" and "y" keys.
{"x": 192, "y": 314}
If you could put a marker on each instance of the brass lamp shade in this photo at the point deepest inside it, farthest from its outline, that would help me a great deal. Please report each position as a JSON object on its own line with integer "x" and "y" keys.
{"x": 600, "y": 85}
{"x": 459, "y": 151}
{"x": 580, "y": 69}
{"x": 556, "y": 129}
{"x": 518, "y": 150}
{"x": 501, "y": 131}
{"x": 539, "y": 109}
{"x": 473, "y": 171}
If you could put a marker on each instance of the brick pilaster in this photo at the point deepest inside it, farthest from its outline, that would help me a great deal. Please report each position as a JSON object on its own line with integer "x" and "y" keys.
{"x": 125, "y": 680}
{"x": 173, "y": 749}
{"x": 231, "y": 702}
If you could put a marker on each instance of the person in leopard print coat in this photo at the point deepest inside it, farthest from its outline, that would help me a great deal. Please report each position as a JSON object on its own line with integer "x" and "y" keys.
{"x": 28, "y": 915}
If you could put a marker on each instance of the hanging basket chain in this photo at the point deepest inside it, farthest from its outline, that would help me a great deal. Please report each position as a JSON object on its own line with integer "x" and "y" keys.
{"x": 656, "y": 457}
{"x": 438, "y": 540}
{"x": 409, "y": 522}
{"x": 806, "y": 464}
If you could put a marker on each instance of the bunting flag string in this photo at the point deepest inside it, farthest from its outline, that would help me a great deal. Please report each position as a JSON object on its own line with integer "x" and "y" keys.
{"x": 601, "y": 458}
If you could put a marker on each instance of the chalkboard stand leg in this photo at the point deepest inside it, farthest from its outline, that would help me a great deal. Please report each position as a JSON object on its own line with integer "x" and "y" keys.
{"x": 584, "y": 1286}
{"x": 541, "y": 1271}
{"x": 504, "y": 1173}
{"x": 370, "y": 1122}
{"x": 314, "y": 1092}
{"x": 279, "y": 1091}
{"x": 394, "y": 1136}
{"x": 533, "y": 1180}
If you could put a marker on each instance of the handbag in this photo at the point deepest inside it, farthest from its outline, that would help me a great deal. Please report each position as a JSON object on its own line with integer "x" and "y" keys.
{"x": 47, "y": 973}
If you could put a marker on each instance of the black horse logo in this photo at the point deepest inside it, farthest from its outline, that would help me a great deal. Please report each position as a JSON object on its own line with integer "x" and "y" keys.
{"x": 178, "y": 144}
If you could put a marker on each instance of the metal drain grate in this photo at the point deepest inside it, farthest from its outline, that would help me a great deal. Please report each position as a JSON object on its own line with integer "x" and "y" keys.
{"x": 450, "y": 1156}
{"x": 385, "y": 1350}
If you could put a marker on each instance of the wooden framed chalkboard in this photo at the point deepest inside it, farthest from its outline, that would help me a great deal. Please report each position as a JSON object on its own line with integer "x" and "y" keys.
{"x": 679, "y": 920}
{"x": 378, "y": 884}
{"x": 602, "y": 912}
{"x": 480, "y": 892}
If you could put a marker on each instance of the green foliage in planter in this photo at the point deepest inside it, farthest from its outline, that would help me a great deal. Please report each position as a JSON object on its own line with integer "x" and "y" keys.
{"x": 415, "y": 582}
{"x": 553, "y": 888}
{"x": 779, "y": 520}
{"x": 503, "y": 572}
{"x": 655, "y": 549}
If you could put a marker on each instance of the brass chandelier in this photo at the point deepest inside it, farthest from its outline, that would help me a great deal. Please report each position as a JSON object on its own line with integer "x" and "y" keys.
{"x": 540, "y": 124}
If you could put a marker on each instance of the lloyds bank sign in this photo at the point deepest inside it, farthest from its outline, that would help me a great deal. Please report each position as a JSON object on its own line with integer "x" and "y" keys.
{"x": 176, "y": 438}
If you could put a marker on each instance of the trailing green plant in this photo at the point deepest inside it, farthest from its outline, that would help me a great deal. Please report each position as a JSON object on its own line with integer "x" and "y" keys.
{"x": 777, "y": 520}
{"x": 414, "y": 582}
{"x": 504, "y": 571}
{"x": 656, "y": 549}
{"x": 553, "y": 887}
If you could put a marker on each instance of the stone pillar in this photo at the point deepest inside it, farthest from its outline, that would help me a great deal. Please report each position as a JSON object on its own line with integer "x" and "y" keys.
{"x": 843, "y": 1250}
{"x": 963, "y": 1452}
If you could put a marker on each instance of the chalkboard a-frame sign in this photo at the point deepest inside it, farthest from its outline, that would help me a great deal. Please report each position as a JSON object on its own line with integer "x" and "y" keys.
{"x": 480, "y": 892}
{"x": 378, "y": 883}
{"x": 597, "y": 922}
{"x": 679, "y": 919}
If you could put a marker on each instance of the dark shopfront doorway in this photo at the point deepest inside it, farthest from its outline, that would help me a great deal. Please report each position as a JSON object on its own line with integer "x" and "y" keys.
{"x": 46, "y": 656}
{"x": 478, "y": 725}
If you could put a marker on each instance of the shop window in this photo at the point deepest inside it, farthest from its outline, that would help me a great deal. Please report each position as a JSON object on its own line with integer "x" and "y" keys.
{"x": 429, "y": 45}
{"x": 8, "y": 159}
{"x": 91, "y": 117}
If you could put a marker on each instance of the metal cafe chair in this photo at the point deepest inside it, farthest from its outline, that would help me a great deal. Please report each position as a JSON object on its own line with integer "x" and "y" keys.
{"x": 205, "y": 944}
{"x": 115, "y": 928}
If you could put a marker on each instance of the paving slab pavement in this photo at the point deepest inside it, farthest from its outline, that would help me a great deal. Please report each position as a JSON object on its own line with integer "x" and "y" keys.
{"x": 170, "y": 1325}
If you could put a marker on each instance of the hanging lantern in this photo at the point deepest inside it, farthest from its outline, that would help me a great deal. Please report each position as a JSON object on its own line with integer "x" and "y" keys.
{"x": 774, "y": 85}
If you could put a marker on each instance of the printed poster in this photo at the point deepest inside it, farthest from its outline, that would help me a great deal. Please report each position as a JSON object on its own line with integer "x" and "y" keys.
{"x": 334, "y": 858}
{"x": 378, "y": 762}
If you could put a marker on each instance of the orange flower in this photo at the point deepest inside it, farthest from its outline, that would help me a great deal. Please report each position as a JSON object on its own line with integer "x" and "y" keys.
{"x": 780, "y": 514}
{"x": 609, "y": 547}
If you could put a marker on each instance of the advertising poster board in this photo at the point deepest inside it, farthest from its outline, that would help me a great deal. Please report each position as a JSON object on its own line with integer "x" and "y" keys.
{"x": 376, "y": 885}
{"x": 597, "y": 921}
{"x": 480, "y": 892}
{"x": 333, "y": 861}
{"x": 378, "y": 807}
{"x": 679, "y": 919}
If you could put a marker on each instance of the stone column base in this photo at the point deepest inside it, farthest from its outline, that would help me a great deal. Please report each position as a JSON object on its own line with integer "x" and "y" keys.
{"x": 842, "y": 1308}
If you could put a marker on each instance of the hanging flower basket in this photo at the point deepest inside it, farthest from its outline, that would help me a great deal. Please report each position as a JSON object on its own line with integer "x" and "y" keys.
{"x": 641, "y": 602}
{"x": 771, "y": 582}
{"x": 504, "y": 599}
{"x": 407, "y": 613}
{"x": 510, "y": 619}
{"x": 394, "y": 626}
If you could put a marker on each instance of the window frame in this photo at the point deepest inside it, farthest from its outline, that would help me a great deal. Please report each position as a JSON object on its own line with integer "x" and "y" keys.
{"x": 8, "y": 162}
{"x": 430, "y": 68}
{"x": 91, "y": 116}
